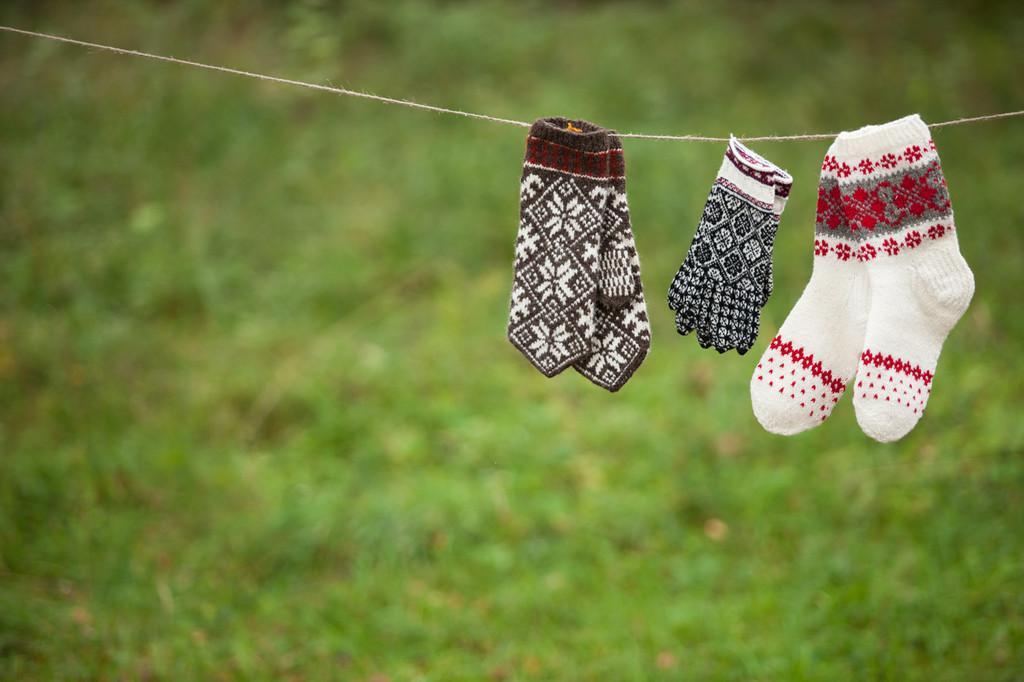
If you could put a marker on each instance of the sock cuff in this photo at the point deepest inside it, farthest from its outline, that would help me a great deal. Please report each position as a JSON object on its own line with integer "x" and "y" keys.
{"x": 873, "y": 139}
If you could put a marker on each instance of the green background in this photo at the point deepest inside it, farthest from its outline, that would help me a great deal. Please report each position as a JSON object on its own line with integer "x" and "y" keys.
{"x": 260, "y": 419}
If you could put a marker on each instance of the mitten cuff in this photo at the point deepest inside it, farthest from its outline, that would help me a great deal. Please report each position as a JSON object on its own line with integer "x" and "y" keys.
{"x": 783, "y": 184}
{"x": 575, "y": 134}
{"x": 571, "y": 146}
{"x": 752, "y": 174}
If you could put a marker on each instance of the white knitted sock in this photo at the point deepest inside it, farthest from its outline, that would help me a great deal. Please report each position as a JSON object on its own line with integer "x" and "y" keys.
{"x": 901, "y": 220}
{"x": 806, "y": 367}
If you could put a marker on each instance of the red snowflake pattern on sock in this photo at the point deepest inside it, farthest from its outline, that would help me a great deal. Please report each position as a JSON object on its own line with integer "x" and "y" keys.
{"x": 889, "y": 246}
{"x": 888, "y": 161}
{"x": 890, "y": 204}
{"x": 842, "y": 251}
{"x": 888, "y": 378}
{"x": 796, "y": 373}
{"x": 830, "y": 207}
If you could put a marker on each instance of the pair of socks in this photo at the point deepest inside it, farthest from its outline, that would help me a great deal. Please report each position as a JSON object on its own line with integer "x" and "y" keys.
{"x": 577, "y": 299}
{"x": 726, "y": 278}
{"x": 887, "y": 286}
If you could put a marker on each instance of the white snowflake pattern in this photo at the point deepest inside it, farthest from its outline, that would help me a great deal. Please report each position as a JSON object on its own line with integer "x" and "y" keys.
{"x": 555, "y": 279}
{"x": 565, "y": 214}
{"x": 550, "y": 341}
{"x": 606, "y": 354}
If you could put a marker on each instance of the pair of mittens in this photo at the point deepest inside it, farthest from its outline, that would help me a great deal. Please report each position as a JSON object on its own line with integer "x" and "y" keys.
{"x": 726, "y": 277}
{"x": 577, "y": 299}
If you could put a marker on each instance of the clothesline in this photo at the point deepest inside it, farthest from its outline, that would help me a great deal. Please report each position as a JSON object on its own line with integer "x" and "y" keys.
{"x": 455, "y": 112}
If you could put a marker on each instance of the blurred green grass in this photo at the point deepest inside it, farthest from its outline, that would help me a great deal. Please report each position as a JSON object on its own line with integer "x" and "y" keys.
{"x": 259, "y": 419}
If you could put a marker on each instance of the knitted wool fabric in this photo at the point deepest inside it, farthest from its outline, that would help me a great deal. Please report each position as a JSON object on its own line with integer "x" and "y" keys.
{"x": 899, "y": 222}
{"x": 806, "y": 367}
{"x": 622, "y": 331}
{"x": 576, "y": 283}
{"x": 726, "y": 277}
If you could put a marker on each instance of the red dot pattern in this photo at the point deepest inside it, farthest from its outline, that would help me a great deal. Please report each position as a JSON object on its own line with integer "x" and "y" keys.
{"x": 796, "y": 374}
{"x": 891, "y": 379}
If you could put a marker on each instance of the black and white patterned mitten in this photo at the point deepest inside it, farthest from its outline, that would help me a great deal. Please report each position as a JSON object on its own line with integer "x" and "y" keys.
{"x": 622, "y": 331}
{"x": 563, "y": 194}
{"x": 726, "y": 277}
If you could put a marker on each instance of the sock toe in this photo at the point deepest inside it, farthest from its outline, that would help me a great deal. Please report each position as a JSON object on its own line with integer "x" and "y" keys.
{"x": 776, "y": 414}
{"x": 881, "y": 422}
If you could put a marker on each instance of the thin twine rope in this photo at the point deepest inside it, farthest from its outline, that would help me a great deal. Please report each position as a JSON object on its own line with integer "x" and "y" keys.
{"x": 455, "y": 112}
